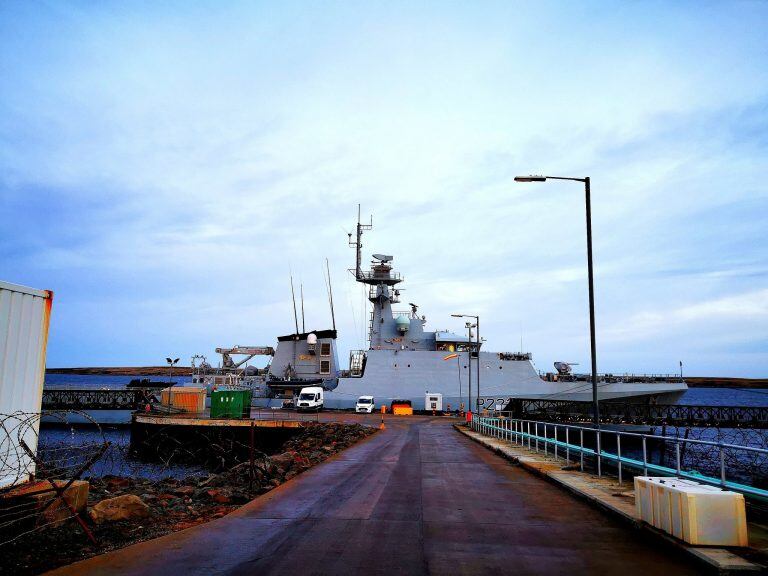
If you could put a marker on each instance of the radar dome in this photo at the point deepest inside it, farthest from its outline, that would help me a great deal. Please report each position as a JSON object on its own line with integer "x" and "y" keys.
{"x": 312, "y": 338}
{"x": 403, "y": 324}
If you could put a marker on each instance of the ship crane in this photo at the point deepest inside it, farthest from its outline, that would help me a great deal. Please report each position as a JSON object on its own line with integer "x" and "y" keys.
{"x": 248, "y": 351}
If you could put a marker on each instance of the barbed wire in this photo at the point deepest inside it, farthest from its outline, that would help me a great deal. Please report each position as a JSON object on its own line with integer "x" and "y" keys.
{"x": 184, "y": 476}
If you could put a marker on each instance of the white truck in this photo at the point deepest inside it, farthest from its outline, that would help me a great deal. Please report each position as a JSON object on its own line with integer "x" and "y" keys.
{"x": 310, "y": 399}
{"x": 365, "y": 404}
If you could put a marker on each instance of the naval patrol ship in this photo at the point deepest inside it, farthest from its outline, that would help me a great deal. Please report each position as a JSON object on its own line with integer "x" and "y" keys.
{"x": 406, "y": 361}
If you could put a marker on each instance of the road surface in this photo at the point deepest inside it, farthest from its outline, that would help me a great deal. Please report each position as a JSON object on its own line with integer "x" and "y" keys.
{"x": 416, "y": 498}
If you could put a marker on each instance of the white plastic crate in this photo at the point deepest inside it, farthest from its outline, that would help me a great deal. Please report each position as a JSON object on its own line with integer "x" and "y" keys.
{"x": 696, "y": 513}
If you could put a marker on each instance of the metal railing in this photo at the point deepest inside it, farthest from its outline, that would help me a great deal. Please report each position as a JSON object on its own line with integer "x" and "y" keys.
{"x": 96, "y": 399}
{"x": 621, "y": 412}
{"x": 565, "y": 440}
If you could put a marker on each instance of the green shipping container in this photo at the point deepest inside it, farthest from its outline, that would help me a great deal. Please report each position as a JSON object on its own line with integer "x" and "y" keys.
{"x": 227, "y": 403}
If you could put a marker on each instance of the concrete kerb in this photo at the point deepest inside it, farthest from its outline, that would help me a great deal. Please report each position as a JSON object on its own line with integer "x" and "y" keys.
{"x": 715, "y": 560}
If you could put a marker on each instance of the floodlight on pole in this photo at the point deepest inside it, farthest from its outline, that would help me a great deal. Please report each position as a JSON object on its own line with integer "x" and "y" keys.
{"x": 590, "y": 275}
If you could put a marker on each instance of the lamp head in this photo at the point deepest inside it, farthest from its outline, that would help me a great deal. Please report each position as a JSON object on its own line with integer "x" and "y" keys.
{"x": 531, "y": 178}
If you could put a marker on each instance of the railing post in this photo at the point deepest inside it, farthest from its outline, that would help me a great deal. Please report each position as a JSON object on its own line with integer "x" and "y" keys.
{"x": 581, "y": 452}
{"x": 618, "y": 454}
{"x": 529, "y": 434}
{"x": 536, "y": 434}
{"x": 567, "y": 446}
{"x": 722, "y": 466}
{"x": 546, "y": 440}
{"x": 677, "y": 457}
{"x": 645, "y": 458}
{"x": 555, "y": 441}
{"x": 599, "y": 457}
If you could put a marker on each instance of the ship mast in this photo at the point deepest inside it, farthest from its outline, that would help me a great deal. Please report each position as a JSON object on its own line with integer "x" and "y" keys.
{"x": 358, "y": 245}
{"x": 381, "y": 281}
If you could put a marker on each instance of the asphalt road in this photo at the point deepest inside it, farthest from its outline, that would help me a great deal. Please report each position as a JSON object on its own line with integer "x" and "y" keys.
{"x": 416, "y": 498}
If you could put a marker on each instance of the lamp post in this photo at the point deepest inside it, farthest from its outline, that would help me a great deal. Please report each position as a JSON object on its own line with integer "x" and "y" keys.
{"x": 595, "y": 403}
{"x": 476, "y": 325}
{"x": 171, "y": 364}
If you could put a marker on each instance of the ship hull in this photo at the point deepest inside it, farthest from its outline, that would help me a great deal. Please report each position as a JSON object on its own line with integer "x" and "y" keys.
{"x": 410, "y": 375}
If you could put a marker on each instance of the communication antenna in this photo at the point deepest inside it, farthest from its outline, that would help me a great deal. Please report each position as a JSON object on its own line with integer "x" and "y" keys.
{"x": 301, "y": 286}
{"x": 330, "y": 293}
{"x": 295, "y": 316}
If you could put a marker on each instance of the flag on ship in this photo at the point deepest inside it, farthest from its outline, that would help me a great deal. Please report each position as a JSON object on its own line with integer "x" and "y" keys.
{"x": 451, "y": 356}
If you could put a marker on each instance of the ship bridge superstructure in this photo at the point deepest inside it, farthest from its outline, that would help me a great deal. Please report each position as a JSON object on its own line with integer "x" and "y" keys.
{"x": 390, "y": 328}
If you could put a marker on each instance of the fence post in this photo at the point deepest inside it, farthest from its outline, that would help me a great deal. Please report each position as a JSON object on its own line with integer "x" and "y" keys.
{"x": 528, "y": 422}
{"x": 645, "y": 458}
{"x": 251, "y": 471}
{"x": 567, "y": 446}
{"x": 581, "y": 452}
{"x": 555, "y": 441}
{"x": 618, "y": 453}
{"x": 599, "y": 457}
{"x": 536, "y": 434}
{"x": 677, "y": 457}
{"x": 722, "y": 465}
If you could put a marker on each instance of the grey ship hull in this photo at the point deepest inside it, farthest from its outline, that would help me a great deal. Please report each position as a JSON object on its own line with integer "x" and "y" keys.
{"x": 410, "y": 374}
{"x": 404, "y": 374}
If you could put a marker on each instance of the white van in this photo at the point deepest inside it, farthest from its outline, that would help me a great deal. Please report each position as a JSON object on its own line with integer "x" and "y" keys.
{"x": 365, "y": 404}
{"x": 310, "y": 399}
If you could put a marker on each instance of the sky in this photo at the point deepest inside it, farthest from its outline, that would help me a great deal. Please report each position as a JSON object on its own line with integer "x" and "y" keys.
{"x": 165, "y": 168}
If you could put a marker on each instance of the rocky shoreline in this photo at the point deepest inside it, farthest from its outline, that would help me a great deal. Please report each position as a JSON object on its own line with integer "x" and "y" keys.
{"x": 125, "y": 510}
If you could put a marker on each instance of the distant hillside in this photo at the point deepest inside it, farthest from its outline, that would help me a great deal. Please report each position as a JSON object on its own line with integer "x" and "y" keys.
{"x": 692, "y": 381}
{"x": 124, "y": 371}
{"x": 717, "y": 382}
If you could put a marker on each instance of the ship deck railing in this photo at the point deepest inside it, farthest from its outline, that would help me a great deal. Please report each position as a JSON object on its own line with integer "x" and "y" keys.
{"x": 614, "y": 378}
{"x": 723, "y": 467}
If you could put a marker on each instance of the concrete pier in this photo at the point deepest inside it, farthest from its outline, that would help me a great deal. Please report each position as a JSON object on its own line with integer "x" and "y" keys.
{"x": 415, "y": 498}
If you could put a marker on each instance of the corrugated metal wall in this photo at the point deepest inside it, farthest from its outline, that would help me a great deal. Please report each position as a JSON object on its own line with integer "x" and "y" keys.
{"x": 24, "y": 318}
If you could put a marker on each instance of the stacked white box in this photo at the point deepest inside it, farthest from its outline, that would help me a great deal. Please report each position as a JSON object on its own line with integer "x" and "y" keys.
{"x": 709, "y": 516}
{"x": 696, "y": 513}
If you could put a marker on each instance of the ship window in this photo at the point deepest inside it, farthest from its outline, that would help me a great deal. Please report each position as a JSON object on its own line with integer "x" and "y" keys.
{"x": 325, "y": 366}
{"x": 409, "y": 365}
{"x": 501, "y": 367}
{"x": 325, "y": 349}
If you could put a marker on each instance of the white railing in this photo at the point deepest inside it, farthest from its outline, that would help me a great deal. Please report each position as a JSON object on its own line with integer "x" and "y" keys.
{"x": 565, "y": 440}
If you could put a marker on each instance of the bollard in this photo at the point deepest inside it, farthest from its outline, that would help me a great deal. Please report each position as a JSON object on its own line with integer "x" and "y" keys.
{"x": 383, "y": 411}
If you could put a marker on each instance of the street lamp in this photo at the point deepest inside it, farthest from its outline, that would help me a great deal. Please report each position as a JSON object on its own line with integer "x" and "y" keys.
{"x": 171, "y": 364}
{"x": 532, "y": 178}
{"x": 477, "y": 324}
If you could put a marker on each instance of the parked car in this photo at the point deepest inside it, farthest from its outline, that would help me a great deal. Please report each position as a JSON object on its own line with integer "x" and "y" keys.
{"x": 365, "y": 404}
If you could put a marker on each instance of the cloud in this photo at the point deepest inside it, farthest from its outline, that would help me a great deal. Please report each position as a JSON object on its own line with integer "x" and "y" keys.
{"x": 162, "y": 170}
